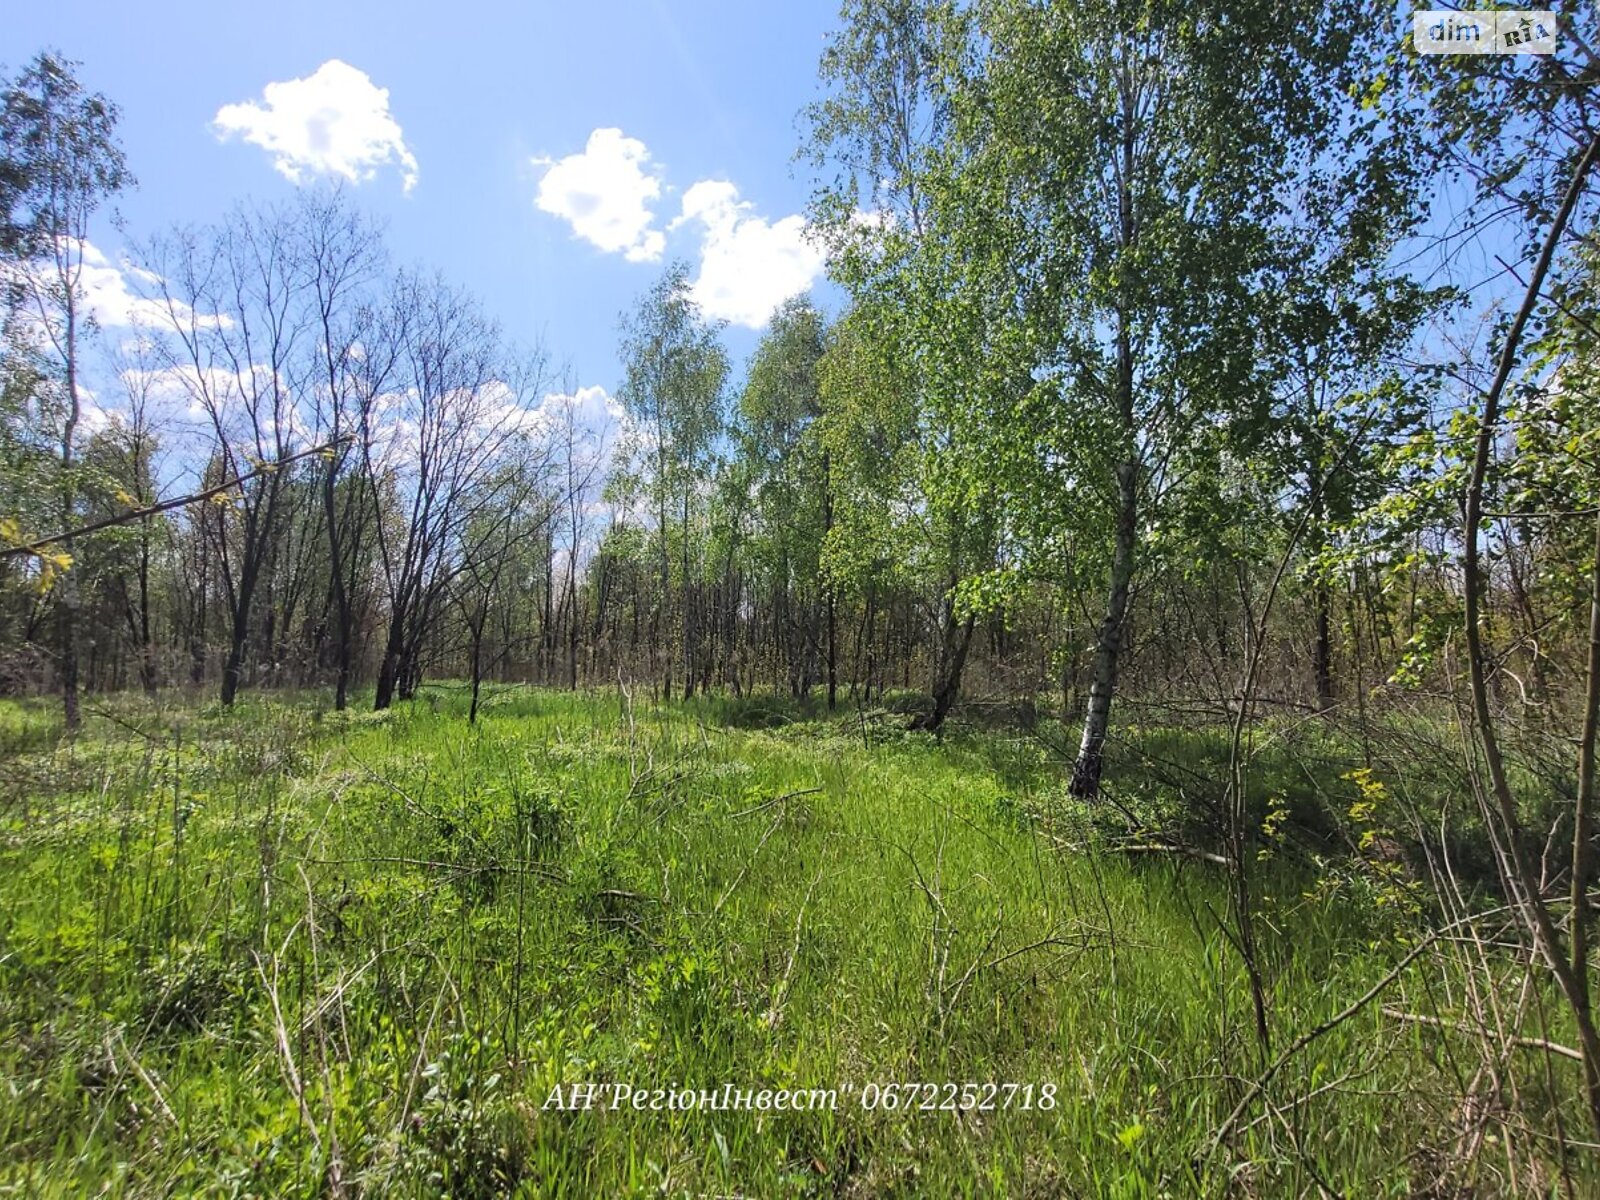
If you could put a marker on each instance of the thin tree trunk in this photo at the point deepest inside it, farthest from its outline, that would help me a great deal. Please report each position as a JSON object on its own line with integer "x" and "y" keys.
{"x": 388, "y": 670}
{"x": 197, "y": 638}
{"x": 1322, "y": 655}
{"x": 234, "y": 665}
{"x": 147, "y": 649}
{"x": 477, "y": 667}
{"x": 1583, "y": 808}
{"x": 1108, "y": 644}
{"x": 67, "y": 643}
{"x": 341, "y": 596}
{"x": 67, "y": 611}
{"x": 1571, "y": 976}
{"x": 947, "y": 687}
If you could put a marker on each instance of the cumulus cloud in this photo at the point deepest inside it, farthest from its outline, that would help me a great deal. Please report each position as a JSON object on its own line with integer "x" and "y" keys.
{"x": 595, "y": 413}
{"x": 496, "y": 413}
{"x": 184, "y": 393}
{"x": 597, "y": 417}
{"x": 748, "y": 265}
{"x": 108, "y": 289}
{"x": 604, "y": 193}
{"x": 114, "y": 294}
{"x": 335, "y": 121}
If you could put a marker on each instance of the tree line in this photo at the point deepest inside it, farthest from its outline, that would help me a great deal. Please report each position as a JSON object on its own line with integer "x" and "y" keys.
{"x": 1155, "y": 378}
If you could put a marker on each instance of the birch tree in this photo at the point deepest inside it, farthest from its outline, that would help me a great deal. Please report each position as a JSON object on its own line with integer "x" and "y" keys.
{"x": 59, "y": 162}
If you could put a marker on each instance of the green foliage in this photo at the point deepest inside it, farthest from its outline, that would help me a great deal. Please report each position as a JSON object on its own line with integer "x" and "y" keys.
{"x": 676, "y": 373}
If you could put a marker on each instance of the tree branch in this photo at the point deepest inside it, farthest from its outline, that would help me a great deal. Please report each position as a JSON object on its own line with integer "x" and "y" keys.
{"x": 138, "y": 514}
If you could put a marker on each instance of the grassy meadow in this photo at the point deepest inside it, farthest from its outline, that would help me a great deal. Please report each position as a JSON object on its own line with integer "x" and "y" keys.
{"x": 282, "y": 951}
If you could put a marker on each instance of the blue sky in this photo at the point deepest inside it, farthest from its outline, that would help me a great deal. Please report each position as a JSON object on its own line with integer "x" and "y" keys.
{"x": 549, "y": 157}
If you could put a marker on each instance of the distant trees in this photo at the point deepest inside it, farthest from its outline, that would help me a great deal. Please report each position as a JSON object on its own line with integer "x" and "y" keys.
{"x": 507, "y": 513}
{"x": 125, "y": 561}
{"x": 385, "y": 489}
{"x": 787, "y": 475}
{"x": 674, "y": 390}
{"x": 427, "y": 447}
{"x": 284, "y": 328}
{"x": 1124, "y": 327}
{"x": 280, "y": 330}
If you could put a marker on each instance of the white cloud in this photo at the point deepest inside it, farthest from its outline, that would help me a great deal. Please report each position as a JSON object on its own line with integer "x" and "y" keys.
{"x": 604, "y": 193}
{"x": 596, "y": 417}
{"x": 105, "y": 288}
{"x": 109, "y": 292}
{"x": 748, "y": 265}
{"x": 595, "y": 414}
{"x": 335, "y": 121}
{"x": 182, "y": 393}
{"x": 174, "y": 399}
{"x": 495, "y": 413}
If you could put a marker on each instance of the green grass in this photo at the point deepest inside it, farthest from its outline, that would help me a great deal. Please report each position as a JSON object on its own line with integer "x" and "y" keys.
{"x": 250, "y": 953}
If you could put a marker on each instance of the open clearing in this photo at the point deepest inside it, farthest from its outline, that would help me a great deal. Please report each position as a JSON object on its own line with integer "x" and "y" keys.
{"x": 278, "y": 950}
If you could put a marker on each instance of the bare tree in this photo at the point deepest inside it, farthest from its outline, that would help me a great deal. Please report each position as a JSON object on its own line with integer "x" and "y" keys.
{"x": 508, "y": 510}
{"x": 426, "y": 448}
{"x": 351, "y": 367}
{"x": 233, "y": 299}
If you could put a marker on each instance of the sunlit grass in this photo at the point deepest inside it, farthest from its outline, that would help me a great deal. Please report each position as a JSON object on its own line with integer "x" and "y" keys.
{"x": 277, "y": 950}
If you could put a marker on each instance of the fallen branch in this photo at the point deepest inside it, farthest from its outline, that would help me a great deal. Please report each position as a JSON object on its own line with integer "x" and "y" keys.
{"x": 1525, "y": 1043}
{"x": 1311, "y": 1035}
{"x": 1173, "y": 848}
{"x": 774, "y": 1013}
{"x": 745, "y": 869}
{"x": 766, "y": 804}
{"x": 145, "y": 1077}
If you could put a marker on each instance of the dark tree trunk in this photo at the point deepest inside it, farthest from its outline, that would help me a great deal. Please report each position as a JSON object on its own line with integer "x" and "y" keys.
{"x": 257, "y": 552}
{"x": 238, "y": 631}
{"x": 67, "y": 643}
{"x": 67, "y": 612}
{"x": 234, "y": 665}
{"x": 1322, "y": 654}
{"x": 477, "y": 667}
{"x": 833, "y": 654}
{"x": 147, "y": 649}
{"x": 342, "y": 617}
{"x": 388, "y": 672}
{"x": 954, "y": 642}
